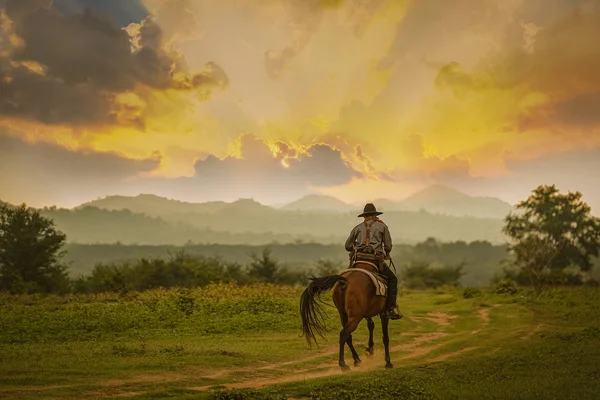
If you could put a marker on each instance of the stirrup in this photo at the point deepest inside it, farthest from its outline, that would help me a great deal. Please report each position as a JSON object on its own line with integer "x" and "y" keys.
{"x": 391, "y": 313}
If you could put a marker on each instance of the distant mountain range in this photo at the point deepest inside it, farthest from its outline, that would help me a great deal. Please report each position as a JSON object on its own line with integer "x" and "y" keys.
{"x": 314, "y": 202}
{"x": 438, "y": 212}
{"x": 435, "y": 200}
{"x": 444, "y": 200}
{"x": 150, "y": 204}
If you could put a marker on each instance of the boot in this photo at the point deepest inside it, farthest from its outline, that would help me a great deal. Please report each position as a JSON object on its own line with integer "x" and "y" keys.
{"x": 391, "y": 313}
{"x": 391, "y": 305}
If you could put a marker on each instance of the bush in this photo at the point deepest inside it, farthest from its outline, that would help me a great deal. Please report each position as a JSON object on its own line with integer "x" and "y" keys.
{"x": 180, "y": 270}
{"x": 420, "y": 275}
{"x": 506, "y": 286}
{"x": 471, "y": 292}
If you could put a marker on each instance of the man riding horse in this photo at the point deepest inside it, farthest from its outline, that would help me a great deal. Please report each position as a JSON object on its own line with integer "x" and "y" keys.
{"x": 371, "y": 241}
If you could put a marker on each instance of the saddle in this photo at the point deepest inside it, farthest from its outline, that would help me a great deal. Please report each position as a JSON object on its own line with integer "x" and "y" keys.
{"x": 375, "y": 260}
{"x": 380, "y": 282}
{"x": 368, "y": 257}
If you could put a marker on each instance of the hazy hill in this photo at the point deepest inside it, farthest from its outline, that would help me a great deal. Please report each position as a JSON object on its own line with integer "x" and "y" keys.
{"x": 94, "y": 225}
{"x": 245, "y": 208}
{"x": 260, "y": 225}
{"x": 149, "y": 219}
{"x": 153, "y": 205}
{"x": 435, "y": 199}
{"x": 323, "y": 219}
{"x": 314, "y": 202}
{"x": 444, "y": 200}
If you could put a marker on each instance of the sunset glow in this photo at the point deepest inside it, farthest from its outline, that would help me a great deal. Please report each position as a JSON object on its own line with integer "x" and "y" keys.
{"x": 383, "y": 97}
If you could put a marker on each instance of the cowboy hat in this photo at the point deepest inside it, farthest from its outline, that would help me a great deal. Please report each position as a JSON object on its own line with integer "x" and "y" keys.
{"x": 369, "y": 210}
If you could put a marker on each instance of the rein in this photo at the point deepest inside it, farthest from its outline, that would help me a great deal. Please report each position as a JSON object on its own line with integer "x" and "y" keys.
{"x": 393, "y": 265}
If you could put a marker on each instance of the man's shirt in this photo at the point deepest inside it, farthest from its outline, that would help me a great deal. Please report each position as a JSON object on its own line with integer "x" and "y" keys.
{"x": 379, "y": 237}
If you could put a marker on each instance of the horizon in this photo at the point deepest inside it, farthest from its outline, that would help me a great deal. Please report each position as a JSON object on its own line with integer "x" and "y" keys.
{"x": 357, "y": 205}
{"x": 272, "y": 205}
{"x": 276, "y": 100}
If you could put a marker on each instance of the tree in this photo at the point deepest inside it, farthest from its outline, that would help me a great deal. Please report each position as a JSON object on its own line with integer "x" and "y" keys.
{"x": 552, "y": 231}
{"x": 534, "y": 256}
{"x": 30, "y": 250}
{"x": 328, "y": 267}
{"x": 420, "y": 275}
{"x": 265, "y": 269}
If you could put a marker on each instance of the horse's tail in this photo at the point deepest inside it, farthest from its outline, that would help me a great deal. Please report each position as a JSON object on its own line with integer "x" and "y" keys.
{"x": 313, "y": 319}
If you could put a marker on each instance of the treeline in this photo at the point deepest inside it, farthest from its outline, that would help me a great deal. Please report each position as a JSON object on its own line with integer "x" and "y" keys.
{"x": 185, "y": 270}
{"x": 435, "y": 264}
{"x": 82, "y": 258}
{"x": 480, "y": 260}
{"x": 428, "y": 264}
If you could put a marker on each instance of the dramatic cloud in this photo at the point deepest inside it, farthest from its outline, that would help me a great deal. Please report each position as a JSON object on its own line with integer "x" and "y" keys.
{"x": 386, "y": 96}
{"x": 79, "y": 69}
{"x": 42, "y": 173}
{"x": 267, "y": 172}
{"x": 270, "y": 173}
{"x": 262, "y": 170}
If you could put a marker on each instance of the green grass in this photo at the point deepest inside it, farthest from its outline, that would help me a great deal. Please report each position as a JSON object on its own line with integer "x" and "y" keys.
{"x": 192, "y": 344}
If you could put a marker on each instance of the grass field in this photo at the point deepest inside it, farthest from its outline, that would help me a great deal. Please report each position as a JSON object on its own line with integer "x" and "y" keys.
{"x": 229, "y": 342}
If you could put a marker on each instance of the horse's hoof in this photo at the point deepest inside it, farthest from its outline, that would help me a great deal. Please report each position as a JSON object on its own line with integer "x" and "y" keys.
{"x": 369, "y": 352}
{"x": 357, "y": 363}
{"x": 345, "y": 368}
{"x": 389, "y": 366}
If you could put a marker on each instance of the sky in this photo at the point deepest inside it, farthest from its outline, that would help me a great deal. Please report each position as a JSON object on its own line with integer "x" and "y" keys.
{"x": 200, "y": 100}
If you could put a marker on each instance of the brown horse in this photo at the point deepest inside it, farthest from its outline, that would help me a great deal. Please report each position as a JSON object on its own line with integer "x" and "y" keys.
{"x": 355, "y": 298}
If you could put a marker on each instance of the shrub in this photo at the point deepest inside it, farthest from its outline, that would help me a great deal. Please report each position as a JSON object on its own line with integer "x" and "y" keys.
{"x": 420, "y": 275}
{"x": 179, "y": 270}
{"x": 471, "y": 292}
{"x": 506, "y": 286}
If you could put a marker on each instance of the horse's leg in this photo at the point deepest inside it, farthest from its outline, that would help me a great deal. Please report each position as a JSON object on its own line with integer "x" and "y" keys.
{"x": 345, "y": 335}
{"x": 355, "y": 357}
{"x": 386, "y": 341}
{"x": 371, "y": 326}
